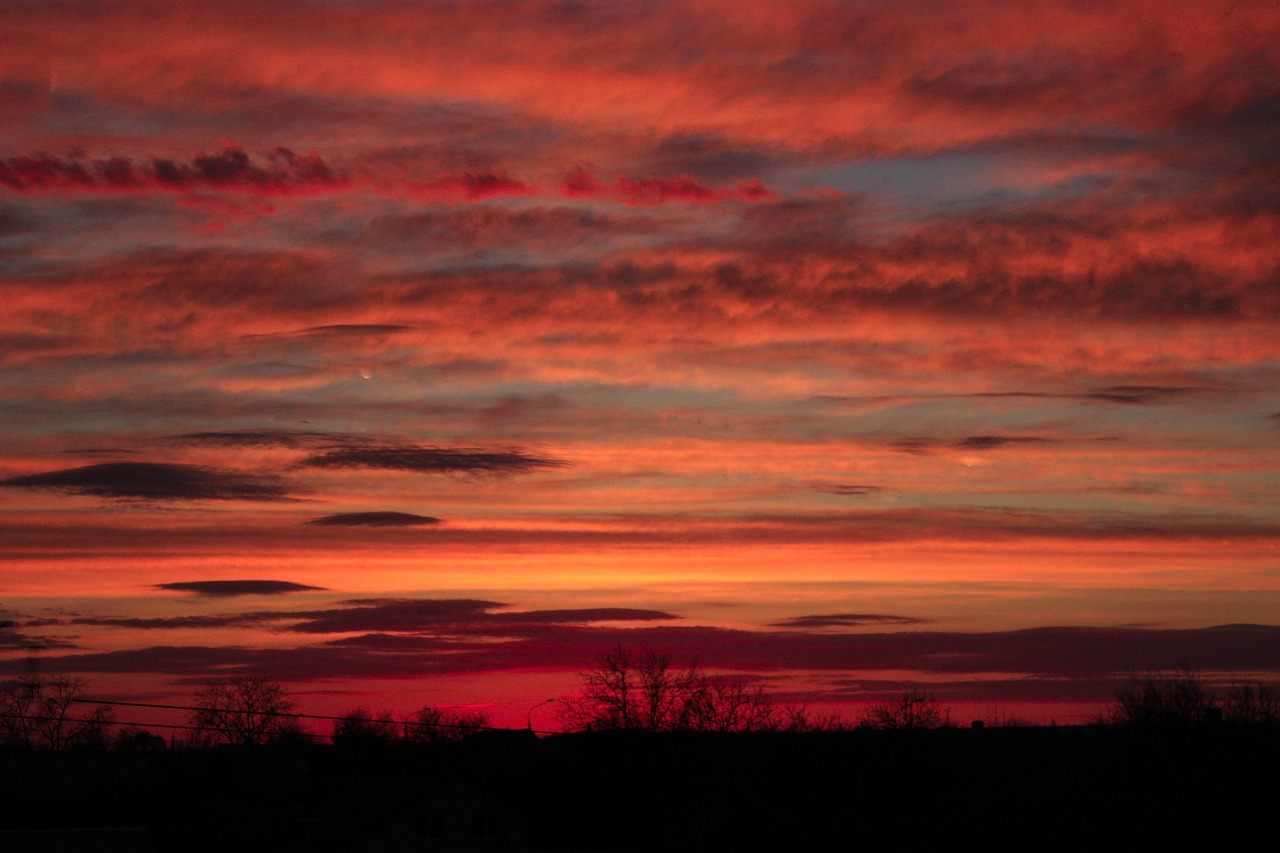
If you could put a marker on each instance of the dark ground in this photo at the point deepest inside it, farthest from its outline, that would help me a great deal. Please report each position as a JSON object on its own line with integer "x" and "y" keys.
{"x": 1085, "y": 788}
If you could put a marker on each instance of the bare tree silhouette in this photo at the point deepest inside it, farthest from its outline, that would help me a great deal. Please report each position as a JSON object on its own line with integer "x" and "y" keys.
{"x": 728, "y": 705}
{"x": 643, "y": 691}
{"x": 914, "y": 709}
{"x": 1178, "y": 698}
{"x": 798, "y": 718}
{"x": 647, "y": 691}
{"x": 245, "y": 710}
{"x": 38, "y": 713}
{"x": 361, "y": 728}
{"x": 430, "y": 725}
{"x": 1252, "y": 703}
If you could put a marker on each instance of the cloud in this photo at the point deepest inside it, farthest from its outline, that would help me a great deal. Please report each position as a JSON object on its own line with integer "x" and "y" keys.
{"x": 990, "y": 442}
{"x": 161, "y": 481}
{"x": 1136, "y": 395}
{"x": 844, "y": 620}
{"x": 588, "y": 614}
{"x": 454, "y": 615}
{"x": 1142, "y": 395}
{"x": 920, "y": 445}
{"x": 470, "y": 186}
{"x": 451, "y": 231}
{"x": 207, "y": 621}
{"x": 239, "y": 587}
{"x": 431, "y": 459}
{"x": 710, "y": 155}
{"x": 283, "y": 173}
{"x": 1046, "y": 663}
{"x": 375, "y": 519}
{"x": 339, "y": 330}
{"x": 399, "y": 615}
{"x": 915, "y": 445}
{"x": 580, "y": 183}
{"x": 851, "y": 489}
{"x": 456, "y": 618}
{"x": 15, "y": 640}
{"x": 257, "y": 438}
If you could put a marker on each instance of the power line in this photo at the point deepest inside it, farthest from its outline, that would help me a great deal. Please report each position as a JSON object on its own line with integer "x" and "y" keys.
{"x": 138, "y": 724}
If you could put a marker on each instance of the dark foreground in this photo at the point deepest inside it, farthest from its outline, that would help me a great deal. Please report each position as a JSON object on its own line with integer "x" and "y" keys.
{"x": 1025, "y": 789}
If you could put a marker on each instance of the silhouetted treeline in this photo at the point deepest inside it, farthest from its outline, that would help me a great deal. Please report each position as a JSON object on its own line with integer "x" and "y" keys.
{"x": 1030, "y": 788}
{"x": 627, "y": 691}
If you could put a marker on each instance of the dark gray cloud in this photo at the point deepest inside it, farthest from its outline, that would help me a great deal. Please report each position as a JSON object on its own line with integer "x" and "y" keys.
{"x": 1134, "y": 395}
{"x": 1141, "y": 395}
{"x": 851, "y": 489}
{"x": 339, "y": 330}
{"x": 1045, "y": 664}
{"x": 920, "y": 445}
{"x": 915, "y": 445}
{"x": 709, "y": 155}
{"x": 237, "y": 587}
{"x": 258, "y": 438}
{"x": 15, "y": 640}
{"x": 376, "y": 519}
{"x": 990, "y": 442}
{"x": 419, "y": 616}
{"x": 992, "y": 84}
{"x": 357, "y": 329}
{"x": 160, "y": 481}
{"x": 371, "y": 614}
{"x": 431, "y": 459}
{"x": 588, "y": 614}
{"x": 452, "y": 615}
{"x": 281, "y": 173}
{"x": 844, "y": 620}
{"x": 214, "y": 620}
{"x": 96, "y": 451}
{"x": 525, "y": 229}
{"x": 13, "y": 222}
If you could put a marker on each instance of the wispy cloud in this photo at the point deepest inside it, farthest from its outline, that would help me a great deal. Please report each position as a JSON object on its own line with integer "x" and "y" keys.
{"x": 282, "y": 173}
{"x": 426, "y": 459}
{"x": 851, "y": 489}
{"x": 580, "y": 183}
{"x": 921, "y": 444}
{"x": 419, "y": 616}
{"x": 1048, "y": 664}
{"x": 1142, "y": 395}
{"x": 991, "y": 442}
{"x": 376, "y": 519}
{"x": 158, "y": 481}
{"x": 844, "y": 620}
{"x": 257, "y": 438}
{"x": 340, "y": 330}
{"x": 225, "y": 589}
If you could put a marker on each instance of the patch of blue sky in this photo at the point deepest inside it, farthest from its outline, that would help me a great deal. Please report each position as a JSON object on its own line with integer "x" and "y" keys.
{"x": 76, "y": 114}
{"x": 940, "y": 182}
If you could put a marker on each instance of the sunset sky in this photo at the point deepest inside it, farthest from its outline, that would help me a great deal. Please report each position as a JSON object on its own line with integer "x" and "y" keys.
{"x": 416, "y": 352}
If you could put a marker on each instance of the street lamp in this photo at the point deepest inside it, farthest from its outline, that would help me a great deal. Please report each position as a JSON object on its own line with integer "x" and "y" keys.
{"x": 528, "y": 720}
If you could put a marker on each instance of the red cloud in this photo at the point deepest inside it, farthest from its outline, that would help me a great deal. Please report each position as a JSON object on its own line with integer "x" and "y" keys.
{"x": 283, "y": 173}
{"x": 287, "y": 173}
{"x": 580, "y": 183}
{"x": 471, "y": 186}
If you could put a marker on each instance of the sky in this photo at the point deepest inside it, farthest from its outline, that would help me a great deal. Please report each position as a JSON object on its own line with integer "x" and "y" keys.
{"x": 418, "y": 353}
